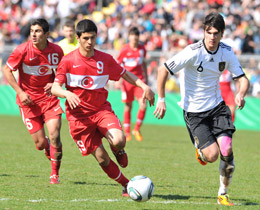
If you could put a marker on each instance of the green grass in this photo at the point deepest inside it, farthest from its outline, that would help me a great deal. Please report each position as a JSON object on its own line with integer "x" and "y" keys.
{"x": 166, "y": 156}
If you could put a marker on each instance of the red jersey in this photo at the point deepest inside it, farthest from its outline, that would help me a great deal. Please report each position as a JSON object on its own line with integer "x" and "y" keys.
{"x": 35, "y": 68}
{"x": 87, "y": 77}
{"x": 225, "y": 88}
{"x": 225, "y": 81}
{"x": 132, "y": 59}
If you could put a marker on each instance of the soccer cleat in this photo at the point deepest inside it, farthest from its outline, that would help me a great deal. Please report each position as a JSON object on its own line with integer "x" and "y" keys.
{"x": 124, "y": 192}
{"x": 121, "y": 156}
{"x": 223, "y": 200}
{"x": 54, "y": 179}
{"x": 199, "y": 158}
{"x": 137, "y": 135}
{"x": 128, "y": 137}
{"x": 47, "y": 151}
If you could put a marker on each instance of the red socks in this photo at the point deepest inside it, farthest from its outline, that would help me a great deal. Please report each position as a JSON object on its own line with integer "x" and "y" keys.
{"x": 140, "y": 118}
{"x": 113, "y": 172}
{"x": 127, "y": 121}
{"x": 56, "y": 155}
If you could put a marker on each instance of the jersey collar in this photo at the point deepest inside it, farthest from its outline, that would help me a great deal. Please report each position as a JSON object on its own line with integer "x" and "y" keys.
{"x": 210, "y": 52}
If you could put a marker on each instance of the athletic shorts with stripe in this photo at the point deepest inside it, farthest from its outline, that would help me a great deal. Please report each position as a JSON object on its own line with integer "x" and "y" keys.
{"x": 36, "y": 115}
{"x": 205, "y": 127}
{"x": 88, "y": 132}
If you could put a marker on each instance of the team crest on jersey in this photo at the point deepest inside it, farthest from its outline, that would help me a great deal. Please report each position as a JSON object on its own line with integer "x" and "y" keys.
{"x": 42, "y": 70}
{"x": 221, "y": 66}
{"x": 87, "y": 82}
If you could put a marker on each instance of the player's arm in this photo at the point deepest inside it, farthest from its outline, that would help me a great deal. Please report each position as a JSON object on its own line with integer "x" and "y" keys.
{"x": 145, "y": 71}
{"x": 134, "y": 80}
{"x": 161, "y": 81}
{"x": 23, "y": 96}
{"x": 241, "y": 93}
{"x": 72, "y": 99}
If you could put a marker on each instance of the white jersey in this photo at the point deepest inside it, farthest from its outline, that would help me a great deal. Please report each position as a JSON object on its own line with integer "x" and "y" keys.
{"x": 199, "y": 80}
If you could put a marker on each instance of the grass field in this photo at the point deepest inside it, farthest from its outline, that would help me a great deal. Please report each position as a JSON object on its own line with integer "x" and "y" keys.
{"x": 166, "y": 156}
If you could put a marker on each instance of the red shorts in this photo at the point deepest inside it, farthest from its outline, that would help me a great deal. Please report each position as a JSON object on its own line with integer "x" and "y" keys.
{"x": 34, "y": 116}
{"x": 130, "y": 91}
{"x": 88, "y": 133}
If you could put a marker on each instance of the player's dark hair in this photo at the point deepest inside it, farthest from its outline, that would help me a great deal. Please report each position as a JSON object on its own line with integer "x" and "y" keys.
{"x": 134, "y": 30}
{"x": 70, "y": 24}
{"x": 41, "y": 22}
{"x": 215, "y": 20}
{"x": 84, "y": 26}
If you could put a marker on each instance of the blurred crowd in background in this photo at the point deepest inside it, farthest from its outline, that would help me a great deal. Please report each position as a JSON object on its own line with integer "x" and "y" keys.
{"x": 166, "y": 27}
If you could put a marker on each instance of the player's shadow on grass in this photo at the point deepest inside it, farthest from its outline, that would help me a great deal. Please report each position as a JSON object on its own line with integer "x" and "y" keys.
{"x": 172, "y": 197}
{"x": 31, "y": 176}
{"x": 5, "y": 175}
{"x": 181, "y": 197}
{"x": 94, "y": 183}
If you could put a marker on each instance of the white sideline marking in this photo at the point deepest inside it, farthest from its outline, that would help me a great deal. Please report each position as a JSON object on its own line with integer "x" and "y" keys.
{"x": 37, "y": 201}
{"x": 118, "y": 200}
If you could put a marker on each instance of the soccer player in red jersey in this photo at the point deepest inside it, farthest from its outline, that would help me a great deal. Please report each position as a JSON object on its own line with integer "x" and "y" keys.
{"x": 36, "y": 60}
{"x": 85, "y": 72}
{"x": 227, "y": 94}
{"x": 132, "y": 57}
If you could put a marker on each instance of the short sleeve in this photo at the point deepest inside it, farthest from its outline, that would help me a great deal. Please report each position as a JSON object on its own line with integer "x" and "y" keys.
{"x": 61, "y": 72}
{"x": 178, "y": 61}
{"x": 15, "y": 59}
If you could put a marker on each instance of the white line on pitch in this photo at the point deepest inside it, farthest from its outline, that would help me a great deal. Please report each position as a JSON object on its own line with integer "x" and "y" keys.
{"x": 116, "y": 200}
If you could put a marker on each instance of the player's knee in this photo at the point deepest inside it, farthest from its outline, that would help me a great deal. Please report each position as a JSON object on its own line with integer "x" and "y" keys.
{"x": 119, "y": 141}
{"x": 39, "y": 143}
{"x": 226, "y": 146}
{"x": 211, "y": 155}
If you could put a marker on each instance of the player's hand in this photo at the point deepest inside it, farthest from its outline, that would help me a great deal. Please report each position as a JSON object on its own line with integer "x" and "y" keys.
{"x": 240, "y": 101}
{"x": 148, "y": 95}
{"x": 160, "y": 110}
{"x": 47, "y": 89}
{"x": 72, "y": 99}
{"x": 25, "y": 98}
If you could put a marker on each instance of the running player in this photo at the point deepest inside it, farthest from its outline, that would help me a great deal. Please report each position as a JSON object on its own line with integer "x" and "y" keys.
{"x": 207, "y": 117}
{"x": 225, "y": 82}
{"x": 36, "y": 60}
{"x": 85, "y": 72}
{"x": 132, "y": 57}
{"x": 70, "y": 42}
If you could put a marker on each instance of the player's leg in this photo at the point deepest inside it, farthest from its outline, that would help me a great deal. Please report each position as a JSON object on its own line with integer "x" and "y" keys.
{"x": 140, "y": 114}
{"x": 127, "y": 120}
{"x": 226, "y": 167}
{"x": 110, "y": 168}
{"x": 41, "y": 141}
{"x": 117, "y": 143}
{"x": 110, "y": 127}
{"x": 224, "y": 128}
{"x": 127, "y": 96}
{"x": 53, "y": 126}
{"x": 36, "y": 130}
{"x": 199, "y": 129}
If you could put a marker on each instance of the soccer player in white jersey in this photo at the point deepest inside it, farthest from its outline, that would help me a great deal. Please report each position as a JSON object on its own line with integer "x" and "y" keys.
{"x": 36, "y": 60}
{"x": 85, "y": 72}
{"x": 207, "y": 117}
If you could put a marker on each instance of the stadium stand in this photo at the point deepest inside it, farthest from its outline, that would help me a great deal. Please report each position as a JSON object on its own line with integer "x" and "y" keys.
{"x": 165, "y": 25}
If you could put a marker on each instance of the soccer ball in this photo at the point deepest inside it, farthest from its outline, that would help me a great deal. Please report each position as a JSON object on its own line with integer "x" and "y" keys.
{"x": 140, "y": 188}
